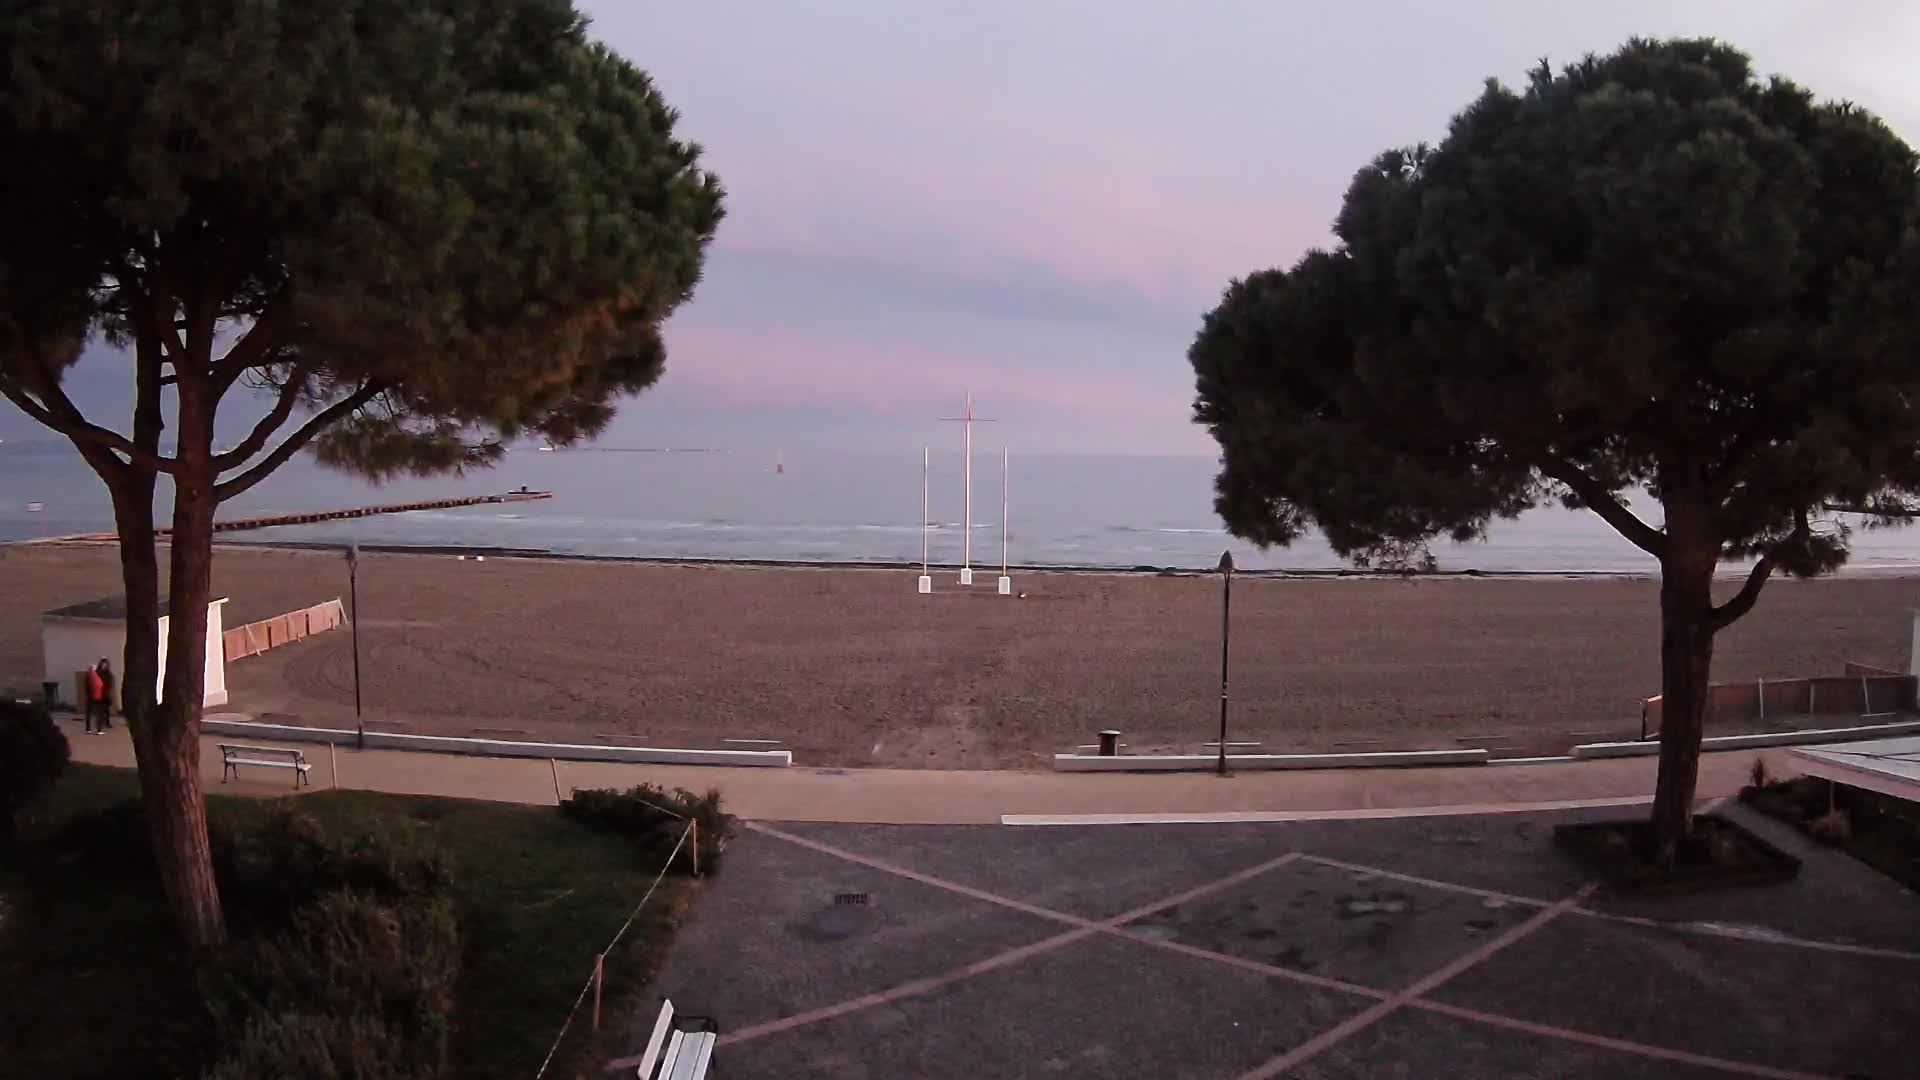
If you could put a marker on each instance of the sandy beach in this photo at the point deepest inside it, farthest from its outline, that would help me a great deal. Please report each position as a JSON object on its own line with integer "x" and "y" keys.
{"x": 851, "y": 668}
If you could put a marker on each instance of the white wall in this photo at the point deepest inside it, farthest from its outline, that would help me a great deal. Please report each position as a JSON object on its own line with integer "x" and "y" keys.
{"x": 70, "y": 645}
{"x": 215, "y": 690}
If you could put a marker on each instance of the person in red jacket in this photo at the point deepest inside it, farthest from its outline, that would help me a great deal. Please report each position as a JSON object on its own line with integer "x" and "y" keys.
{"x": 100, "y": 697}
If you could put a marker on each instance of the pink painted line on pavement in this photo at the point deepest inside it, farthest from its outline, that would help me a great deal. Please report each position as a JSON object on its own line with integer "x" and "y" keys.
{"x": 1084, "y": 928}
{"x": 1765, "y": 936}
{"x": 1411, "y": 997}
{"x": 1366, "y": 1018}
{"x": 925, "y": 879}
{"x": 1608, "y": 1043}
{"x": 1256, "y": 966}
{"x": 1199, "y": 891}
{"x": 913, "y": 988}
{"x": 1394, "y": 875}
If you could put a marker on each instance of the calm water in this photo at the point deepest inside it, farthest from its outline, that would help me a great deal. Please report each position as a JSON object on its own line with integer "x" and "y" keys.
{"x": 1066, "y": 509}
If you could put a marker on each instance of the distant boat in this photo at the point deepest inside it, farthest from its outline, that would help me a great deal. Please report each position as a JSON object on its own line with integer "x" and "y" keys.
{"x": 36, "y": 507}
{"x": 779, "y": 463}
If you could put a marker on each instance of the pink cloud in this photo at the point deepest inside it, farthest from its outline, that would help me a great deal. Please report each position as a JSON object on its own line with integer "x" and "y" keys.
{"x": 980, "y": 182}
{"x": 711, "y": 366}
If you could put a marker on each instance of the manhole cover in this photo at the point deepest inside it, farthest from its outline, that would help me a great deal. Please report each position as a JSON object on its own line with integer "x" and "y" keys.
{"x": 849, "y": 914}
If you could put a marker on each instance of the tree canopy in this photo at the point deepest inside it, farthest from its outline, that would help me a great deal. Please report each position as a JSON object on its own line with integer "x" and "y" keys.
{"x": 1646, "y": 270}
{"x": 1649, "y": 270}
{"x": 405, "y": 231}
{"x": 437, "y": 223}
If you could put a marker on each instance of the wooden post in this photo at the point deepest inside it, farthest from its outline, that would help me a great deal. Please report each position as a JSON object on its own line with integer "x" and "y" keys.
{"x": 1761, "y": 689}
{"x": 693, "y": 834}
{"x": 599, "y": 976}
{"x": 333, "y": 765}
{"x": 557, "y": 800}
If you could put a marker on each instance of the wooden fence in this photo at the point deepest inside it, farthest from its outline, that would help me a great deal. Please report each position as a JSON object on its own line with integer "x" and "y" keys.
{"x": 1864, "y": 690}
{"x": 258, "y": 637}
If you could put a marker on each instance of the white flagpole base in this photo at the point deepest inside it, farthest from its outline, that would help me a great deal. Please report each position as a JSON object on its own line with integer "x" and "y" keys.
{"x": 1006, "y": 585}
{"x": 966, "y": 575}
{"x": 926, "y": 584}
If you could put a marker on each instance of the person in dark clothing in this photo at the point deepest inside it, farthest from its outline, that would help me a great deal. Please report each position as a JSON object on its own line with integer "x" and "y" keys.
{"x": 100, "y": 697}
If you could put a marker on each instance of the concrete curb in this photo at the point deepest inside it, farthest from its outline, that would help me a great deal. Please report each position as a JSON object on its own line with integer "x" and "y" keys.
{"x": 1205, "y": 762}
{"x": 1224, "y": 817}
{"x": 447, "y": 744}
{"x": 1813, "y": 737}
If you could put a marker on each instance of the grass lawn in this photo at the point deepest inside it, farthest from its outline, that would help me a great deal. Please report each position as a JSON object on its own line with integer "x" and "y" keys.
{"x": 95, "y": 985}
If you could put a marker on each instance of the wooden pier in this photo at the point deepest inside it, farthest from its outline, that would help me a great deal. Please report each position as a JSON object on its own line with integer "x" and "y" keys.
{"x": 312, "y": 516}
{"x": 309, "y": 518}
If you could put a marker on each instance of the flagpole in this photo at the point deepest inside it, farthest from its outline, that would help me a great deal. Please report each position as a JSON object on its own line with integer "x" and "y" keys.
{"x": 926, "y": 516}
{"x": 966, "y": 525}
{"x": 1005, "y": 583}
{"x": 966, "y": 542}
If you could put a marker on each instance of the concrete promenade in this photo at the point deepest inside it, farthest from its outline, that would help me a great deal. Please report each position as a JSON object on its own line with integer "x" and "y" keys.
{"x": 963, "y": 797}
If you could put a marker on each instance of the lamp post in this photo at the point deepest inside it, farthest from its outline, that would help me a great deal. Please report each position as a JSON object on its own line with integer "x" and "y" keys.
{"x": 1226, "y": 630}
{"x": 353, "y": 596}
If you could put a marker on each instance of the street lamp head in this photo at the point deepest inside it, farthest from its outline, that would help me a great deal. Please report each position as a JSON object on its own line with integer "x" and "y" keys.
{"x": 353, "y": 554}
{"x": 1226, "y": 562}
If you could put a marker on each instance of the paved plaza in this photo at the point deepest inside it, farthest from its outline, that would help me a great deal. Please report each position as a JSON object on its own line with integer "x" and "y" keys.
{"x": 1444, "y": 946}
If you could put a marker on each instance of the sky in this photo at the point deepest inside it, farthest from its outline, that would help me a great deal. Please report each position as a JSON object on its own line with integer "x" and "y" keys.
{"x": 1036, "y": 202}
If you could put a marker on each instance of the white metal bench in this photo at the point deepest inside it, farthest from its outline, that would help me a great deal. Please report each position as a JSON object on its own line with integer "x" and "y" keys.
{"x": 678, "y": 1050}
{"x": 234, "y": 755}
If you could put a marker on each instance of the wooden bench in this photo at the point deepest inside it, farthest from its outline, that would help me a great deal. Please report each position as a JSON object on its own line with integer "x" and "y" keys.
{"x": 234, "y": 755}
{"x": 678, "y": 1049}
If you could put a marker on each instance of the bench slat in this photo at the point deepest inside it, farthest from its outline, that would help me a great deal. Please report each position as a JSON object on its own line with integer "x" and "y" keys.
{"x": 652, "y": 1055}
{"x": 696, "y": 1051}
{"x": 244, "y": 748}
{"x": 672, "y": 1056}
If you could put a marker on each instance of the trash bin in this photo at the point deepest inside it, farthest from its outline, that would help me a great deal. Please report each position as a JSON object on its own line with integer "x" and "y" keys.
{"x": 1109, "y": 743}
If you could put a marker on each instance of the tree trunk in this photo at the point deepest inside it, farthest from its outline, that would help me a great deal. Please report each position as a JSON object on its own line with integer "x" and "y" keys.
{"x": 1686, "y": 659}
{"x": 140, "y": 581}
{"x": 176, "y": 808}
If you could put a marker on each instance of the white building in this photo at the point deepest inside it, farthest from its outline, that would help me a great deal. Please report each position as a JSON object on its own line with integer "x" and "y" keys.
{"x": 73, "y": 639}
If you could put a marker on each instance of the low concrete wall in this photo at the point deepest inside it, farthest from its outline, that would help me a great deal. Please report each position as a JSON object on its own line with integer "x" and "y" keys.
{"x": 1810, "y": 737}
{"x": 1206, "y": 762}
{"x": 448, "y": 744}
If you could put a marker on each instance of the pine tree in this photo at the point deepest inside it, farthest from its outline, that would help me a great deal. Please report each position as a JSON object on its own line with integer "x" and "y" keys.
{"x": 396, "y": 232}
{"x": 1646, "y": 270}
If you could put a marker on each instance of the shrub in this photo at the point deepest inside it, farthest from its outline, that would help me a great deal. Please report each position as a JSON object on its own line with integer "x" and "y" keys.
{"x": 654, "y": 818}
{"x": 303, "y": 1046}
{"x": 33, "y": 754}
{"x": 113, "y": 840}
{"x": 353, "y": 979}
{"x": 268, "y": 872}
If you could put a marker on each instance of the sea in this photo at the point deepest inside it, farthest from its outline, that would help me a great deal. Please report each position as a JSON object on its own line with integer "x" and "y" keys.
{"x": 1062, "y": 510}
